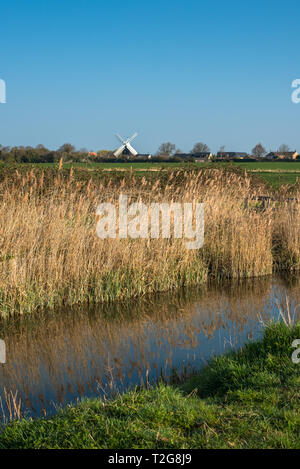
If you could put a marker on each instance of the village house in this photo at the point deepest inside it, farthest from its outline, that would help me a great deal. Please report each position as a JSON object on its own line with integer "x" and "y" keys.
{"x": 225, "y": 155}
{"x": 199, "y": 156}
{"x": 282, "y": 155}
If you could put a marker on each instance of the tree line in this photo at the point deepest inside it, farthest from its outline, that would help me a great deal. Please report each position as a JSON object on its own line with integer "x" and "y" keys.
{"x": 68, "y": 152}
{"x": 257, "y": 151}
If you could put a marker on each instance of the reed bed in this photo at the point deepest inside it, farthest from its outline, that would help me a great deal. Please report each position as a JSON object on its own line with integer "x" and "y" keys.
{"x": 50, "y": 253}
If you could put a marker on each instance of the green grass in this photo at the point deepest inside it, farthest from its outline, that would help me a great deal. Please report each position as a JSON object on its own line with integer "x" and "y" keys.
{"x": 91, "y": 165}
{"x": 274, "y": 173}
{"x": 282, "y": 173}
{"x": 279, "y": 179}
{"x": 267, "y": 165}
{"x": 244, "y": 399}
{"x": 276, "y": 165}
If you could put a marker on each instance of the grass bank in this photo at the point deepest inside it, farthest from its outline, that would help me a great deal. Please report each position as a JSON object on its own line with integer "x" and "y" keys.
{"x": 50, "y": 253}
{"x": 244, "y": 399}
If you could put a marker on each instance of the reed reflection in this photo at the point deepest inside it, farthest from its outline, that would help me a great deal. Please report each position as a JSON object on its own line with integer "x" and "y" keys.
{"x": 55, "y": 358}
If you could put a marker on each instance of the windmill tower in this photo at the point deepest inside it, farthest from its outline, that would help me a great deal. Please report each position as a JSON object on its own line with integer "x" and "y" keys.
{"x": 126, "y": 148}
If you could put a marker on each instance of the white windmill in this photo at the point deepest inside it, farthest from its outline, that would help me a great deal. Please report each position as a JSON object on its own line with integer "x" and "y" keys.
{"x": 126, "y": 148}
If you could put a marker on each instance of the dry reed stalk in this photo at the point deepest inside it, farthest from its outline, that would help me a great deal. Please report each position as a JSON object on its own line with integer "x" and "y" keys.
{"x": 13, "y": 406}
{"x": 50, "y": 253}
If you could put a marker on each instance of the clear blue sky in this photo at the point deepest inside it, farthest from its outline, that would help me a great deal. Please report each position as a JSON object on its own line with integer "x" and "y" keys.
{"x": 181, "y": 71}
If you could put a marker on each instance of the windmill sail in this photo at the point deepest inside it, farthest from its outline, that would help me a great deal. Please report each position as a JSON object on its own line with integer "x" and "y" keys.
{"x": 119, "y": 151}
{"x": 131, "y": 149}
{"x": 126, "y": 147}
{"x": 119, "y": 137}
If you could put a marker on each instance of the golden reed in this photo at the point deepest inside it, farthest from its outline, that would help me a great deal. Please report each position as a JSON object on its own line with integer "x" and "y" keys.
{"x": 50, "y": 253}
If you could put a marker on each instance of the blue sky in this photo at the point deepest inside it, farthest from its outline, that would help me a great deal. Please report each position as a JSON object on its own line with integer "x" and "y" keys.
{"x": 181, "y": 71}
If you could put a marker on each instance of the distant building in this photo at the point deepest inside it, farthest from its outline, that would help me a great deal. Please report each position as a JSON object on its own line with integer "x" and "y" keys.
{"x": 143, "y": 156}
{"x": 282, "y": 155}
{"x": 204, "y": 155}
{"x": 231, "y": 154}
{"x": 200, "y": 160}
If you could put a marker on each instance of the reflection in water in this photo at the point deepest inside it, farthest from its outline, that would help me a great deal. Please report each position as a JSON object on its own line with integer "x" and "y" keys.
{"x": 54, "y": 358}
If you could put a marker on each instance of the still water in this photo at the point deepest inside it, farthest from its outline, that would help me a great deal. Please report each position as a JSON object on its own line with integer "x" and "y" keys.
{"x": 57, "y": 358}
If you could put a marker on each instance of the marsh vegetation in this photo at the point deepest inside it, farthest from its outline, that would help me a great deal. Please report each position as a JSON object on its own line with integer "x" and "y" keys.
{"x": 50, "y": 254}
{"x": 54, "y": 267}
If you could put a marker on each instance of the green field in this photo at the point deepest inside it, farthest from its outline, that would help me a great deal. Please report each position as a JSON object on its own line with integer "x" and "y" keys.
{"x": 251, "y": 166}
{"x": 274, "y": 173}
{"x": 90, "y": 165}
{"x": 267, "y": 165}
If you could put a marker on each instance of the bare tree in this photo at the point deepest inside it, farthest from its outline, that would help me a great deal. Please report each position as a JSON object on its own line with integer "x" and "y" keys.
{"x": 283, "y": 148}
{"x": 258, "y": 151}
{"x": 167, "y": 148}
{"x": 67, "y": 148}
{"x": 200, "y": 147}
{"x": 222, "y": 148}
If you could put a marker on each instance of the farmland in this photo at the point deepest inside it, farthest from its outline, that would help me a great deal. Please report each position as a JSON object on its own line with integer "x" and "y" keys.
{"x": 275, "y": 174}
